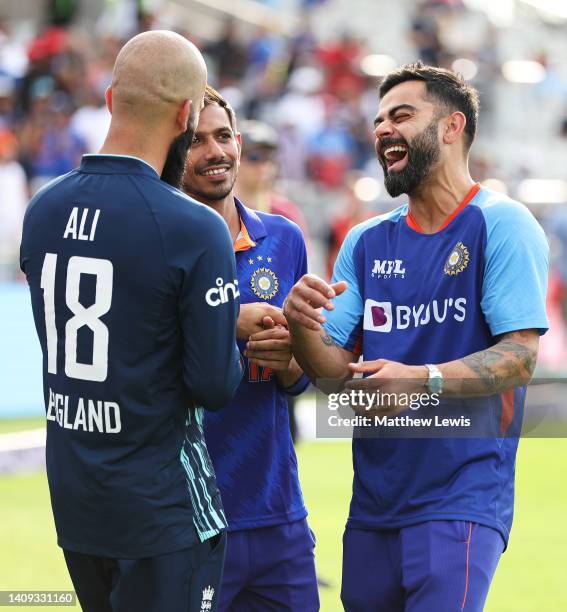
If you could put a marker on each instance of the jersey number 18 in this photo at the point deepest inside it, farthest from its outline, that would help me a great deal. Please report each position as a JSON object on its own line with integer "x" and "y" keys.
{"x": 97, "y": 370}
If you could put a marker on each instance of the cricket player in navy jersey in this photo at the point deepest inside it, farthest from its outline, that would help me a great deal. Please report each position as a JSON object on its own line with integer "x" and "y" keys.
{"x": 270, "y": 559}
{"x": 135, "y": 301}
{"x": 447, "y": 292}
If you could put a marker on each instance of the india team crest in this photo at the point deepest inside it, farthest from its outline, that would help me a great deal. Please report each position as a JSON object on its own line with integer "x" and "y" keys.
{"x": 264, "y": 283}
{"x": 458, "y": 260}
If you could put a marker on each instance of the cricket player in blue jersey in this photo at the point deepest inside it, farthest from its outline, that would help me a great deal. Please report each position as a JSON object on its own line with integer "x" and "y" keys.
{"x": 135, "y": 301}
{"x": 270, "y": 559}
{"x": 447, "y": 291}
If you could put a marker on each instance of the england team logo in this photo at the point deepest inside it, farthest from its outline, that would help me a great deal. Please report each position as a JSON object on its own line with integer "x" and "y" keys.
{"x": 207, "y": 601}
{"x": 264, "y": 283}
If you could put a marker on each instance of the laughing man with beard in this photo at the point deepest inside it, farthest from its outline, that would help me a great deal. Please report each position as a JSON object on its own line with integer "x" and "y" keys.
{"x": 446, "y": 294}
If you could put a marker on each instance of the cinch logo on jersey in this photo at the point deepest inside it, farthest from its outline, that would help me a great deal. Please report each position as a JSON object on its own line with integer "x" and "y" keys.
{"x": 384, "y": 268}
{"x": 222, "y": 293}
{"x": 383, "y": 317}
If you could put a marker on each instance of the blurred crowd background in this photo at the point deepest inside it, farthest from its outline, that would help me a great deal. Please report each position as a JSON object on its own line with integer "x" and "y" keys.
{"x": 302, "y": 76}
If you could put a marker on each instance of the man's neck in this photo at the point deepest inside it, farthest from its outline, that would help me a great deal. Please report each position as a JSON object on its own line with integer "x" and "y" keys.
{"x": 227, "y": 210}
{"x": 438, "y": 197}
{"x": 121, "y": 142}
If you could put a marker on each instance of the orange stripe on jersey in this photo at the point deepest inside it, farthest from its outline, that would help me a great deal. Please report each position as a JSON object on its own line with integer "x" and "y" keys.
{"x": 507, "y": 410}
{"x": 243, "y": 242}
{"x": 468, "y": 543}
{"x": 410, "y": 219}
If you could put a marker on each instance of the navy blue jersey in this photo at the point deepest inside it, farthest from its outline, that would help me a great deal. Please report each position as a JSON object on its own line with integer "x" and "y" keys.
{"x": 135, "y": 303}
{"x": 430, "y": 298}
{"x": 250, "y": 441}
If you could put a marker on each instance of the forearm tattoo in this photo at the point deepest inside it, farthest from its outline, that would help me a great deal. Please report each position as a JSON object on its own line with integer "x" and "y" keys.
{"x": 327, "y": 340}
{"x": 508, "y": 363}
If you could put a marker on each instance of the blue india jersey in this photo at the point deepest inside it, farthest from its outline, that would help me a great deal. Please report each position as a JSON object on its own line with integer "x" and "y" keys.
{"x": 249, "y": 441}
{"x": 135, "y": 302}
{"x": 430, "y": 298}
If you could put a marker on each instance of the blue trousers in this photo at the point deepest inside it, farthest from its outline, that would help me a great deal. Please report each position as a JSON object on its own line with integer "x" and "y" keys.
{"x": 437, "y": 566}
{"x": 270, "y": 569}
{"x": 186, "y": 580}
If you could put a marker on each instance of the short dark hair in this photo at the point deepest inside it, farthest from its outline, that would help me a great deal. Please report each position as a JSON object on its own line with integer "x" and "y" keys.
{"x": 445, "y": 86}
{"x": 212, "y": 96}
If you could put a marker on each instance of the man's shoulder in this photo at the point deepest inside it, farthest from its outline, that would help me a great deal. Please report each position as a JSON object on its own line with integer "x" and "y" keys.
{"x": 175, "y": 209}
{"x": 52, "y": 188}
{"x": 277, "y": 224}
{"x": 504, "y": 215}
{"x": 374, "y": 224}
{"x": 494, "y": 203}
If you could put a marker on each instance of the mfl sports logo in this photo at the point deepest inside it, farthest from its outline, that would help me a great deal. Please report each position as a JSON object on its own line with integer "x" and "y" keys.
{"x": 222, "y": 293}
{"x": 383, "y": 316}
{"x": 385, "y": 268}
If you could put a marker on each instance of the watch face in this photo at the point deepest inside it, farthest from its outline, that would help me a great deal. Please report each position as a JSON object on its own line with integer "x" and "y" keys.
{"x": 435, "y": 382}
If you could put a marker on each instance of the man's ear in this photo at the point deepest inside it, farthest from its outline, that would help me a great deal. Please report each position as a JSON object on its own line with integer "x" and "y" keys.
{"x": 108, "y": 99}
{"x": 238, "y": 137}
{"x": 183, "y": 115}
{"x": 454, "y": 126}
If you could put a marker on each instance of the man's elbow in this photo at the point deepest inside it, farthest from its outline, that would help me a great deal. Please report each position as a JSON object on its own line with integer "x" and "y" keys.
{"x": 219, "y": 389}
{"x": 528, "y": 369}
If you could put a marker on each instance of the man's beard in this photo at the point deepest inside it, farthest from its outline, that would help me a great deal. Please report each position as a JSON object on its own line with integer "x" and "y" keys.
{"x": 174, "y": 166}
{"x": 215, "y": 192}
{"x": 423, "y": 154}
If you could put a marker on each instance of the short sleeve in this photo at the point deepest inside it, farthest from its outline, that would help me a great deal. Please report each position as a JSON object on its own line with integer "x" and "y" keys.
{"x": 516, "y": 270}
{"x": 344, "y": 323}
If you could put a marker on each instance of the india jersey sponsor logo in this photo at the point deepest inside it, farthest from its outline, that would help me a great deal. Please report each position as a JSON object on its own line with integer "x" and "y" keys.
{"x": 385, "y": 268}
{"x": 222, "y": 293}
{"x": 384, "y": 316}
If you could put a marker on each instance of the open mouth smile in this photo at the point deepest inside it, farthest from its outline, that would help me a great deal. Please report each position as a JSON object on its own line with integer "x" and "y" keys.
{"x": 395, "y": 156}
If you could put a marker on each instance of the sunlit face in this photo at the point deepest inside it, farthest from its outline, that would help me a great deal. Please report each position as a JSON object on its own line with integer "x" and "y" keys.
{"x": 213, "y": 161}
{"x": 407, "y": 137}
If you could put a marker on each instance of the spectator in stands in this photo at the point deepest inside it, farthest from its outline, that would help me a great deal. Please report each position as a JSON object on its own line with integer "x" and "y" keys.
{"x": 13, "y": 202}
{"x": 258, "y": 172}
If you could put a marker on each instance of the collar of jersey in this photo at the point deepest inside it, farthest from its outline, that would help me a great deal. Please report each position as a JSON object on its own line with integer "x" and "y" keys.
{"x": 251, "y": 228}
{"x": 410, "y": 220}
{"x": 107, "y": 163}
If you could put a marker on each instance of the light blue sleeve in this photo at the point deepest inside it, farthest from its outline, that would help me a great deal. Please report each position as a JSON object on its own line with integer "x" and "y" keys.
{"x": 516, "y": 269}
{"x": 344, "y": 323}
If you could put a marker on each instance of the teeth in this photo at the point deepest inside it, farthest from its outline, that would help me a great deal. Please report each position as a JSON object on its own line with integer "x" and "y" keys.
{"x": 215, "y": 171}
{"x": 394, "y": 148}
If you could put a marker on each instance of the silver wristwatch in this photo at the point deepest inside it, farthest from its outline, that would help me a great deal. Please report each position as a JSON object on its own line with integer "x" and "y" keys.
{"x": 435, "y": 381}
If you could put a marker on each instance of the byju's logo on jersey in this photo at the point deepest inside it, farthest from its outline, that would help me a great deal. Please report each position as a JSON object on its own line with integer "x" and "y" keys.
{"x": 383, "y": 316}
{"x": 386, "y": 268}
{"x": 222, "y": 293}
{"x": 378, "y": 316}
